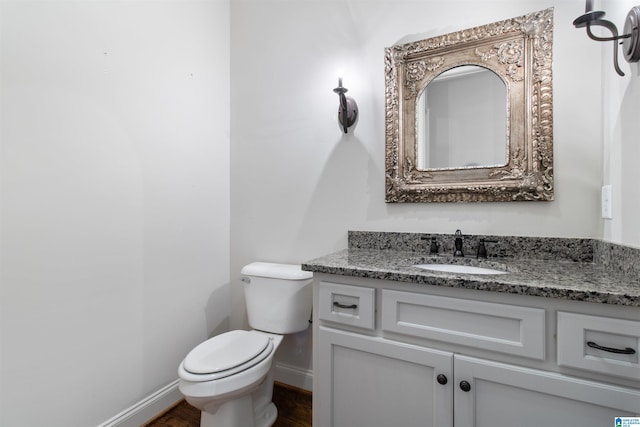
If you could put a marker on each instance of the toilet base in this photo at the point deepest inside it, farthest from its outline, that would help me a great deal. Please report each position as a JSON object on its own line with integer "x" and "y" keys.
{"x": 240, "y": 413}
{"x": 254, "y": 409}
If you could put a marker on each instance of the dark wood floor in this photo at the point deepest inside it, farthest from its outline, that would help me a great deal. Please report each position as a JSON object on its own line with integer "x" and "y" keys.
{"x": 294, "y": 410}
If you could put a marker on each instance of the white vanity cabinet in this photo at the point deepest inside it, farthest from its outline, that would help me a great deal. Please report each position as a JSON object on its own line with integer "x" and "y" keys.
{"x": 508, "y": 395}
{"x": 370, "y": 381}
{"x": 393, "y": 354}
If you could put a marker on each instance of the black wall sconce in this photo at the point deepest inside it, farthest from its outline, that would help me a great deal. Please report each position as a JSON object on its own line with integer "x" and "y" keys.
{"x": 630, "y": 37}
{"x": 348, "y": 111}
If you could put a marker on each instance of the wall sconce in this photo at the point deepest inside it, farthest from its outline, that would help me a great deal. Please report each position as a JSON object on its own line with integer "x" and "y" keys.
{"x": 348, "y": 111}
{"x": 630, "y": 37}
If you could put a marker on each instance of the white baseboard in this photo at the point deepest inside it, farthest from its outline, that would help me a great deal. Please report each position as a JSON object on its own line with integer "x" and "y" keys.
{"x": 293, "y": 376}
{"x": 161, "y": 400}
{"x": 147, "y": 408}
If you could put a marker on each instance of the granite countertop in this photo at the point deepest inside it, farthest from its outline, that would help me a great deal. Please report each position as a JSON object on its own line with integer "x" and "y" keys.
{"x": 587, "y": 279}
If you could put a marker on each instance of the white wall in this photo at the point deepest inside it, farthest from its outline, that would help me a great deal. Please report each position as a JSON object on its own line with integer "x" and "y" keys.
{"x": 298, "y": 184}
{"x": 621, "y": 136}
{"x": 115, "y": 200}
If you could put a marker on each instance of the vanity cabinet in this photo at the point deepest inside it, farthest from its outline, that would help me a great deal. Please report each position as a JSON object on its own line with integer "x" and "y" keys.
{"x": 370, "y": 381}
{"x": 395, "y": 354}
{"x": 508, "y": 395}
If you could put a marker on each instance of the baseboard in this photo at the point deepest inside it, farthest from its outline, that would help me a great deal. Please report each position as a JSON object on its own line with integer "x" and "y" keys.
{"x": 169, "y": 395}
{"x": 293, "y": 376}
{"x": 147, "y": 408}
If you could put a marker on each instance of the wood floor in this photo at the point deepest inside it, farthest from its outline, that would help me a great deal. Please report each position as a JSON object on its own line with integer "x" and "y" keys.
{"x": 294, "y": 410}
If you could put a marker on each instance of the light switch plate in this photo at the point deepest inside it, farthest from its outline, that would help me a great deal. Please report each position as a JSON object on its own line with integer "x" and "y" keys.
{"x": 606, "y": 202}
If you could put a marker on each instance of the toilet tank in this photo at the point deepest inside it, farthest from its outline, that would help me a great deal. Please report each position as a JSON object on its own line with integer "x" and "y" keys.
{"x": 279, "y": 297}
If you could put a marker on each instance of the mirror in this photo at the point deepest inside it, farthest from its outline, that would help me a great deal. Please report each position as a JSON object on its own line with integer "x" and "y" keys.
{"x": 461, "y": 120}
{"x": 469, "y": 114}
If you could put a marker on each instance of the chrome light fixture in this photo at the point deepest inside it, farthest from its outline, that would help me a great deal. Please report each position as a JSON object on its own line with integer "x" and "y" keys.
{"x": 348, "y": 111}
{"x": 630, "y": 37}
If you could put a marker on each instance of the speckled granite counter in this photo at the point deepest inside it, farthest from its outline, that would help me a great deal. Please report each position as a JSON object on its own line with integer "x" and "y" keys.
{"x": 574, "y": 269}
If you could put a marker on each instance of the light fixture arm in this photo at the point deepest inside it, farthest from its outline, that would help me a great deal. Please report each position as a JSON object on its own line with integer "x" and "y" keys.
{"x": 614, "y": 30}
{"x": 630, "y": 38}
{"x": 348, "y": 111}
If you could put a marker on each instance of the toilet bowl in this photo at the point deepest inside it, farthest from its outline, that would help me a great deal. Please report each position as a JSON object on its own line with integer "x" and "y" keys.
{"x": 230, "y": 376}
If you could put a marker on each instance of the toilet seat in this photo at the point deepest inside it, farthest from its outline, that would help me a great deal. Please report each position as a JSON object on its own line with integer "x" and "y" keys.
{"x": 226, "y": 354}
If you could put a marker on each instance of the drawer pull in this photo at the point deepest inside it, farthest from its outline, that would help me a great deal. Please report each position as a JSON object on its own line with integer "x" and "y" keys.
{"x": 337, "y": 304}
{"x": 627, "y": 350}
{"x": 465, "y": 386}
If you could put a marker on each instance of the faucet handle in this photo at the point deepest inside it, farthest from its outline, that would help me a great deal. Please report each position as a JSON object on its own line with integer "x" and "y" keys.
{"x": 433, "y": 249}
{"x": 482, "y": 250}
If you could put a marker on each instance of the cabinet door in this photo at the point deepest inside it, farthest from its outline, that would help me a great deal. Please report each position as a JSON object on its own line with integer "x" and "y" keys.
{"x": 507, "y": 395}
{"x": 371, "y": 382}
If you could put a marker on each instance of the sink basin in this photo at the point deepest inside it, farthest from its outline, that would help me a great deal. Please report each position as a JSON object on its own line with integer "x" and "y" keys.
{"x": 459, "y": 269}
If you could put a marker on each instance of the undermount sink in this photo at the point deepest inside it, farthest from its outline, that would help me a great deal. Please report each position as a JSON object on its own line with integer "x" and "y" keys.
{"x": 459, "y": 269}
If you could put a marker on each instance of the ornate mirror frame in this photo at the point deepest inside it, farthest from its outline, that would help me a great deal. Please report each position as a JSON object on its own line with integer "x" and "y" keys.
{"x": 519, "y": 50}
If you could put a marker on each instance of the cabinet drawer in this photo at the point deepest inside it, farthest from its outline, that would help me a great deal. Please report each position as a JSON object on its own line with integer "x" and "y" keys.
{"x": 600, "y": 344}
{"x": 348, "y": 305}
{"x": 497, "y": 327}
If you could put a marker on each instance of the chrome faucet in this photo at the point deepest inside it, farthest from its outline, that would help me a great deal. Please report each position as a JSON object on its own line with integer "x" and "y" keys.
{"x": 458, "y": 244}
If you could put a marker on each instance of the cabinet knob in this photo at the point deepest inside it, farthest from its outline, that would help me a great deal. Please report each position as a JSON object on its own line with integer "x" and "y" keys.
{"x": 465, "y": 386}
{"x": 442, "y": 379}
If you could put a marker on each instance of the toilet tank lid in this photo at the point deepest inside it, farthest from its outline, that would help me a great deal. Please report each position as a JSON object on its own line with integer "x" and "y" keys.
{"x": 276, "y": 271}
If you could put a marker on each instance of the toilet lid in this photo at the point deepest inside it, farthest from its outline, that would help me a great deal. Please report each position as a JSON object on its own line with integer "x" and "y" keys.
{"x": 225, "y": 352}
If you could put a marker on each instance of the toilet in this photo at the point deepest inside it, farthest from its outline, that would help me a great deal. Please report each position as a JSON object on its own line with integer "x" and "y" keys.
{"x": 229, "y": 377}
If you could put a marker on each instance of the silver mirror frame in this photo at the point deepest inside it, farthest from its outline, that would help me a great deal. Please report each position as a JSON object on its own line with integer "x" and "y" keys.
{"x": 519, "y": 50}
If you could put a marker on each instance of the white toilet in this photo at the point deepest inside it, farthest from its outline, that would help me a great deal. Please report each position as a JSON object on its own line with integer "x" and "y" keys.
{"x": 229, "y": 377}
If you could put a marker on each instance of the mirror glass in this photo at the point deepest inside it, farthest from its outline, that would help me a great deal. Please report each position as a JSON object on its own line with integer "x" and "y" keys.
{"x": 461, "y": 120}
